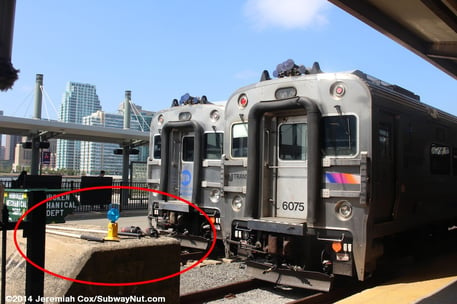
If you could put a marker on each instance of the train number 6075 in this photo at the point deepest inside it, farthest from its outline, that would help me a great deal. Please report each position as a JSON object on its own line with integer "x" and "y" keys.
{"x": 293, "y": 206}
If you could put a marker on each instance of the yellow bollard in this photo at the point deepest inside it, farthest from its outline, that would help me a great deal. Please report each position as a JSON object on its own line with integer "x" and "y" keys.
{"x": 112, "y": 232}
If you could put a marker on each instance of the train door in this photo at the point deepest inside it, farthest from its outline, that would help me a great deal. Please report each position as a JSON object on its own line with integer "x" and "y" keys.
{"x": 291, "y": 168}
{"x": 181, "y": 173}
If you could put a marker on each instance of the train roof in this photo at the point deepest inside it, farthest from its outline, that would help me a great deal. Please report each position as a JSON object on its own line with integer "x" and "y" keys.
{"x": 288, "y": 71}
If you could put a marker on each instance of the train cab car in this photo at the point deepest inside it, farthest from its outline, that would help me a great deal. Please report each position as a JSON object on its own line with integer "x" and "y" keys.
{"x": 322, "y": 168}
{"x": 186, "y": 148}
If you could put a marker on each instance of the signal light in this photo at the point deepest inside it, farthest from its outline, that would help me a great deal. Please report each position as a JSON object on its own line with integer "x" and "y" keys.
{"x": 27, "y": 145}
{"x": 41, "y": 145}
{"x": 134, "y": 151}
{"x": 121, "y": 151}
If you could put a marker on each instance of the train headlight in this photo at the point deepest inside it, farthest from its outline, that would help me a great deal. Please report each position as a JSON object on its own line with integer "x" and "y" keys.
{"x": 215, "y": 195}
{"x": 237, "y": 203}
{"x": 343, "y": 210}
{"x": 184, "y": 116}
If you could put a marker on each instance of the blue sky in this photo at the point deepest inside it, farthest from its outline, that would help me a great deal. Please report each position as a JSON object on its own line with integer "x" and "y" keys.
{"x": 162, "y": 49}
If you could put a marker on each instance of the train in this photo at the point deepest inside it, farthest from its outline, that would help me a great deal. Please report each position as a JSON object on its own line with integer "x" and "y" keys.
{"x": 186, "y": 143}
{"x": 320, "y": 171}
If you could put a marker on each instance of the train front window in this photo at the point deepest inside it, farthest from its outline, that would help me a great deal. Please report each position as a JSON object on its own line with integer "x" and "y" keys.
{"x": 157, "y": 146}
{"x": 213, "y": 145}
{"x": 293, "y": 141}
{"x": 240, "y": 140}
{"x": 339, "y": 135}
{"x": 188, "y": 148}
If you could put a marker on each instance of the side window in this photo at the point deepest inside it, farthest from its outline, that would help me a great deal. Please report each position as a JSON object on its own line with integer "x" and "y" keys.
{"x": 157, "y": 146}
{"x": 188, "y": 148}
{"x": 440, "y": 159}
{"x": 385, "y": 141}
{"x": 293, "y": 141}
{"x": 213, "y": 145}
{"x": 240, "y": 140}
{"x": 340, "y": 135}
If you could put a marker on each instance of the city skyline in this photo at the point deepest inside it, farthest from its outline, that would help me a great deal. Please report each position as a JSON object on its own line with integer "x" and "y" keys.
{"x": 78, "y": 99}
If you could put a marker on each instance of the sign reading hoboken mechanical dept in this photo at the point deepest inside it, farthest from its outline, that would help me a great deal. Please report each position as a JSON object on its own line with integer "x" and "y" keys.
{"x": 17, "y": 201}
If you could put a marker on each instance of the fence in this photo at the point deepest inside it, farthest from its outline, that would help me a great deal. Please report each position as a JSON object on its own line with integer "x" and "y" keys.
{"x": 137, "y": 199}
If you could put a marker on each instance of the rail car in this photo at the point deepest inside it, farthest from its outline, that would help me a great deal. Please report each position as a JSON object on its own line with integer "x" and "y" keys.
{"x": 186, "y": 147}
{"x": 321, "y": 169}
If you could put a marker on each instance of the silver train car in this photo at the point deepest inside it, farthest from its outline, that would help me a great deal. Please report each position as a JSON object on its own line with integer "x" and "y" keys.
{"x": 186, "y": 148}
{"x": 322, "y": 169}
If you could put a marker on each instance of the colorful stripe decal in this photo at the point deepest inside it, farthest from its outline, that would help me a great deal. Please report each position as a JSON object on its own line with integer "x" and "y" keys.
{"x": 341, "y": 178}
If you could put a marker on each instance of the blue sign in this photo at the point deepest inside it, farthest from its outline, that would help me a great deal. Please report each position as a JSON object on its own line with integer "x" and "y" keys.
{"x": 186, "y": 177}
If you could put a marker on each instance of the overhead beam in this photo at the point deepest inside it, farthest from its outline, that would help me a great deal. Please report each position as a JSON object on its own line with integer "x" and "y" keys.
{"x": 62, "y": 130}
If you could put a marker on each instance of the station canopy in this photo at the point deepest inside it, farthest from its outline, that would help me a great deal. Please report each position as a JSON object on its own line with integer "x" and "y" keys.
{"x": 426, "y": 27}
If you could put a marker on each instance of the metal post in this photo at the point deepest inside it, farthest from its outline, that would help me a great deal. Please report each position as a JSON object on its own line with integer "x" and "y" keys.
{"x": 34, "y": 168}
{"x": 35, "y": 231}
{"x": 126, "y": 152}
{"x": 4, "y": 244}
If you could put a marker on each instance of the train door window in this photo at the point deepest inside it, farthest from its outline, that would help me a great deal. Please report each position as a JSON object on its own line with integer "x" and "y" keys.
{"x": 340, "y": 135}
{"x": 385, "y": 141}
{"x": 157, "y": 146}
{"x": 440, "y": 159}
{"x": 213, "y": 145}
{"x": 188, "y": 148}
{"x": 240, "y": 140}
{"x": 293, "y": 141}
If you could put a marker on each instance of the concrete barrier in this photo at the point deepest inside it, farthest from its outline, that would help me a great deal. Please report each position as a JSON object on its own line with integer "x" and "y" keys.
{"x": 127, "y": 261}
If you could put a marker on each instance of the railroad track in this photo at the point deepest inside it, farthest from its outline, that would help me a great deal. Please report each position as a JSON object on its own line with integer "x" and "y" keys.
{"x": 297, "y": 296}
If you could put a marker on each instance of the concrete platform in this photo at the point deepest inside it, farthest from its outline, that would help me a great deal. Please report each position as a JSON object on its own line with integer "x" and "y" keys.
{"x": 127, "y": 261}
{"x": 431, "y": 282}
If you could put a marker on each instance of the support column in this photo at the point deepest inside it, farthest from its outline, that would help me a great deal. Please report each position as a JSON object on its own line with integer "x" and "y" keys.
{"x": 34, "y": 168}
{"x": 126, "y": 151}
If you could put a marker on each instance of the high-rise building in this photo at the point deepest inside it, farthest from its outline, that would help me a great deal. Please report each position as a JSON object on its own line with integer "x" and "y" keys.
{"x": 79, "y": 100}
{"x": 96, "y": 156}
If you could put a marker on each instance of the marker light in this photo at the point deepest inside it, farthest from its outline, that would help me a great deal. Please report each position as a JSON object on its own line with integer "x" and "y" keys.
{"x": 336, "y": 246}
{"x": 160, "y": 119}
{"x": 214, "y": 115}
{"x": 242, "y": 101}
{"x": 337, "y": 90}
